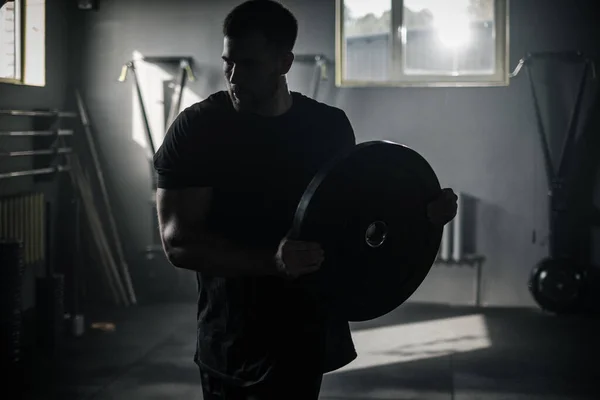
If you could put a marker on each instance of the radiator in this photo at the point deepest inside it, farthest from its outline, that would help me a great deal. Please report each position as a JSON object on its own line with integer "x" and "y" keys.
{"x": 23, "y": 218}
{"x": 459, "y": 235}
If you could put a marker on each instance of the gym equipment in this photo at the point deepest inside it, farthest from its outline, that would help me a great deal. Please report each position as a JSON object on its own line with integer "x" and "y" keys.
{"x": 22, "y": 218}
{"x": 557, "y": 282}
{"x": 185, "y": 74}
{"x": 320, "y": 72}
{"x": 57, "y": 132}
{"x": 558, "y": 285}
{"x": 64, "y": 158}
{"x": 368, "y": 210}
{"x": 54, "y": 166}
{"x": 49, "y": 113}
{"x": 46, "y": 152}
{"x": 129, "y": 297}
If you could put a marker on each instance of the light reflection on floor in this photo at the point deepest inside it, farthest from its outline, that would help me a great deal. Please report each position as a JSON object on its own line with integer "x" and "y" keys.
{"x": 417, "y": 341}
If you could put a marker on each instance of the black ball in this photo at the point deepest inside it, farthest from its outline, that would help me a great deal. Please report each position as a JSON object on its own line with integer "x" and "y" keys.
{"x": 558, "y": 285}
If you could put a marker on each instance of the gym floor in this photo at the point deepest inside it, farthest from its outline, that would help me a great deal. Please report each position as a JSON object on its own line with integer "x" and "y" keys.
{"x": 417, "y": 352}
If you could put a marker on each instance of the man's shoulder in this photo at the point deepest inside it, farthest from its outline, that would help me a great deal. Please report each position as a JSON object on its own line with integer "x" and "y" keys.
{"x": 320, "y": 108}
{"x": 332, "y": 122}
{"x": 198, "y": 121}
{"x": 216, "y": 103}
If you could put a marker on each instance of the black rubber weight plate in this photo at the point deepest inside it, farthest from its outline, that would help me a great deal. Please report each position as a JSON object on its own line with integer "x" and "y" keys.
{"x": 377, "y": 188}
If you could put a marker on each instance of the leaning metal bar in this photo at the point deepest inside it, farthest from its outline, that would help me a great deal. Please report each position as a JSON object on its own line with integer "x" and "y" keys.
{"x": 185, "y": 74}
{"x": 24, "y": 113}
{"x": 58, "y": 132}
{"x": 130, "y": 66}
{"x": 40, "y": 171}
{"x": 85, "y": 121}
{"x": 45, "y": 152}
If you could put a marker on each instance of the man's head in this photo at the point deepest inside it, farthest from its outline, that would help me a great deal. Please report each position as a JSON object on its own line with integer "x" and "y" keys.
{"x": 259, "y": 36}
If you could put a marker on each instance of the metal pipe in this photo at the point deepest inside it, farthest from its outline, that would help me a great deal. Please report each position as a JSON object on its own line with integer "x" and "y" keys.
{"x": 457, "y": 231}
{"x": 38, "y": 211}
{"x": 104, "y": 190}
{"x": 31, "y": 172}
{"x": 573, "y": 123}
{"x": 309, "y": 57}
{"x": 46, "y": 152}
{"x": 58, "y": 132}
{"x": 130, "y": 66}
{"x": 478, "y": 283}
{"x": 112, "y": 274}
{"x": 25, "y": 113}
{"x": 548, "y": 164}
{"x": 446, "y": 244}
{"x": 320, "y": 72}
{"x": 564, "y": 56}
{"x": 28, "y": 229}
{"x": 177, "y": 94}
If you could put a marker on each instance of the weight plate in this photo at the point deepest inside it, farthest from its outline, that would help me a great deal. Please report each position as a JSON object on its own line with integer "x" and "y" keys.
{"x": 368, "y": 210}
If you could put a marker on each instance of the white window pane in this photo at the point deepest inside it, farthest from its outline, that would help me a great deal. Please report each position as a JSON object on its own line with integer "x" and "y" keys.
{"x": 35, "y": 42}
{"x": 10, "y": 44}
{"x": 367, "y": 36}
{"x": 449, "y": 38}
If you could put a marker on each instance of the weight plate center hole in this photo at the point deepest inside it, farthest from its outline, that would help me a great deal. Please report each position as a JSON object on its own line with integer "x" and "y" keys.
{"x": 376, "y": 234}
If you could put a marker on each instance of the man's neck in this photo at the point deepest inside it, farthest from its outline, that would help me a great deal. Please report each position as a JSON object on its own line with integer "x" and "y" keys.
{"x": 280, "y": 103}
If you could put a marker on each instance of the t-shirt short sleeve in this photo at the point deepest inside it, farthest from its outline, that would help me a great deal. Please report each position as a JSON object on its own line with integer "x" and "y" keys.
{"x": 346, "y": 138}
{"x": 188, "y": 156}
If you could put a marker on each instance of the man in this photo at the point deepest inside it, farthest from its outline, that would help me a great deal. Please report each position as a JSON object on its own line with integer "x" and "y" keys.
{"x": 231, "y": 171}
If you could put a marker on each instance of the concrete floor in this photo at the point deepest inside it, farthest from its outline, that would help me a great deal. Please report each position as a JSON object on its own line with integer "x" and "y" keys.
{"x": 417, "y": 352}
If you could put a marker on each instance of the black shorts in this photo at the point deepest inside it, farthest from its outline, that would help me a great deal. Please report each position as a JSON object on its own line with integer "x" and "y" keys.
{"x": 305, "y": 386}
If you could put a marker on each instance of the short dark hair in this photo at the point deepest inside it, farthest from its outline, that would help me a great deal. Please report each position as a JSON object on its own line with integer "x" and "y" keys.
{"x": 267, "y": 17}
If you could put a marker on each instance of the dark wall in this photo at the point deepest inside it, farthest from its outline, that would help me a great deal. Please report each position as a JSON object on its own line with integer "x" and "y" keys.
{"x": 58, "y": 65}
{"x": 482, "y": 141}
{"x": 54, "y": 95}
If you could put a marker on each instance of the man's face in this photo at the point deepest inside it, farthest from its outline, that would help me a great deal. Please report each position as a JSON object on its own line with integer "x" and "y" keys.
{"x": 252, "y": 70}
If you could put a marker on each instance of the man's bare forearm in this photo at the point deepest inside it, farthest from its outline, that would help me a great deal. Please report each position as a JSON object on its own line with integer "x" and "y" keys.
{"x": 213, "y": 254}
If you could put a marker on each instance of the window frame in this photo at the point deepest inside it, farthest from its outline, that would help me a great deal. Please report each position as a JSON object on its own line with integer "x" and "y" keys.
{"x": 500, "y": 78}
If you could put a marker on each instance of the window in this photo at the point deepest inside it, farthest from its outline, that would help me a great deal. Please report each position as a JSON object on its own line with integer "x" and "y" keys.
{"x": 422, "y": 43}
{"x": 10, "y": 41}
{"x": 23, "y": 42}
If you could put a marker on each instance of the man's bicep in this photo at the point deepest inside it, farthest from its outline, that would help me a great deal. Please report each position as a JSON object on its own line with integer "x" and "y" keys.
{"x": 182, "y": 210}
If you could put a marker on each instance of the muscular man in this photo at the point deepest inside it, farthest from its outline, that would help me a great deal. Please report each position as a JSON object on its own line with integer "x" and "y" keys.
{"x": 231, "y": 171}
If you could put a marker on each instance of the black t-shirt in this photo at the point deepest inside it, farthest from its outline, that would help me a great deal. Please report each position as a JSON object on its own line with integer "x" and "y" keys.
{"x": 258, "y": 168}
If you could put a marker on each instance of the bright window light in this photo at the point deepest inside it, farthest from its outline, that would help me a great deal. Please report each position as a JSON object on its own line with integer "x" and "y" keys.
{"x": 152, "y": 78}
{"x": 453, "y": 30}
